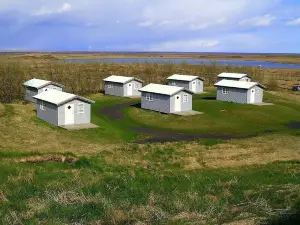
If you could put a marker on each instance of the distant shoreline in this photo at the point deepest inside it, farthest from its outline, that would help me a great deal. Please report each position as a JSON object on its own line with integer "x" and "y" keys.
{"x": 266, "y": 57}
{"x": 138, "y": 53}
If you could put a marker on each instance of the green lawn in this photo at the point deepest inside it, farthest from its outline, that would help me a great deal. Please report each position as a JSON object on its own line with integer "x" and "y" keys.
{"x": 218, "y": 118}
{"x": 224, "y": 117}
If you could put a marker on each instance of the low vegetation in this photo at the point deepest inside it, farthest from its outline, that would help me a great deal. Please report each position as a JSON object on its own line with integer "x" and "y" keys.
{"x": 49, "y": 175}
{"x": 87, "y": 78}
{"x": 97, "y": 177}
{"x": 93, "y": 191}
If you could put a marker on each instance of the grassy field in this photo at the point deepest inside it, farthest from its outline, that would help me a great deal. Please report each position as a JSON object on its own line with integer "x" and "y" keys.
{"x": 52, "y": 176}
{"x": 223, "y": 117}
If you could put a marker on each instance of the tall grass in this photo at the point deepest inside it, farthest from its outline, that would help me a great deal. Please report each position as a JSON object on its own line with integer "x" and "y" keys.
{"x": 87, "y": 78}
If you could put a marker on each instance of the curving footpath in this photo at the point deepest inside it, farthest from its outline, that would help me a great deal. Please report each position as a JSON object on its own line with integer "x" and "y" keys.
{"x": 114, "y": 112}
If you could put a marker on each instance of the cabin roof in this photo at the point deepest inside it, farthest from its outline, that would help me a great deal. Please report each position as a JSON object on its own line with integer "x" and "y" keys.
{"x": 238, "y": 84}
{"x": 163, "y": 89}
{"x": 59, "y": 97}
{"x": 184, "y": 77}
{"x": 232, "y": 75}
{"x": 38, "y": 83}
{"x": 120, "y": 79}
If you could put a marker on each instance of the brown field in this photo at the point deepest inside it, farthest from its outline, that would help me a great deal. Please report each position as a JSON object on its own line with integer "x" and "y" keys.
{"x": 86, "y": 78}
{"x": 279, "y": 58}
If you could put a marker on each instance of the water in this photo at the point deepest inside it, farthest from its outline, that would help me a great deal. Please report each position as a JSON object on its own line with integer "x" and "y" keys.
{"x": 220, "y": 62}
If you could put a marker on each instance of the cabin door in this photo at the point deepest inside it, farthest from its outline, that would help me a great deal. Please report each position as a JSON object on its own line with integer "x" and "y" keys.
{"x": 69, "y": 114}
{"x": 252, "y": 95}
{"x": 177, "y": 105}
{"x": 129, "y": 89}
{"x": 194, "y": 86}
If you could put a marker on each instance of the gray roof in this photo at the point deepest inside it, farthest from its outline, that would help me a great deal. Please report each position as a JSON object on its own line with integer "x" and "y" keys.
{"x": 59, "y": 97}
{"x": 38, "y": 83}
{"x": 232, "y": 75}
{"x": 163, "y": 89}
{"x": 184, "y": 77}
{"x": 120, "y": 79}
{"x": 238, "y": 84}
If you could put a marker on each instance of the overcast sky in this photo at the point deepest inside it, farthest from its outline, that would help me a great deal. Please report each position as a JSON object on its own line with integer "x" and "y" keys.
{"x": 151, "y": 25}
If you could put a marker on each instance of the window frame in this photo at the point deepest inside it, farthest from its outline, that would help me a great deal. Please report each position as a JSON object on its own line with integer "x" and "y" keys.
{"x": 225, "y": 90}
{"x": 42, "y": 106}
{"x": 109, "y": 85}
{"x": 173, "y": 83}
{"x": 79, "y": 110}
{"x": 149, "y": 97}
{"x": 185, "y": 98}
{"x": 136, "y": 85}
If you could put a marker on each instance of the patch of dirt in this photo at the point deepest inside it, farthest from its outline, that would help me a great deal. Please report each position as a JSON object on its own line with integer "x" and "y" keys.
{"x": 114, "y": 112}
{"x": 294, "y": 125}
{"x": 187, "y": 215}
{"x": 3, "y": 197}
{"x": 46, "y": 158}
{"x": 199, "y": 97}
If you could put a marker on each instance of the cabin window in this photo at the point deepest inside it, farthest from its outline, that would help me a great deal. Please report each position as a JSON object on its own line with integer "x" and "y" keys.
{"x": 109, "y": 85}
{"x": 80, "y": 108}
{"x": 136, "y": 86}
{"x": 42, "y": 106}
{"x": 173, "y": 83}
{"x": 225, "y": 91}
{"x": 185, "y": 98}
{"x": 149, "y": 96}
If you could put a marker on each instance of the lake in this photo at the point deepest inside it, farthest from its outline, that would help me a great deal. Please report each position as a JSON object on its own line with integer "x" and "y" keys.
{"x": 248, "y": 63}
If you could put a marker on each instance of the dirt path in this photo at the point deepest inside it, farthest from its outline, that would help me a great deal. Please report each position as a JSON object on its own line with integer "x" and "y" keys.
{"x": 114, "y": 112}
{"x": 294, "y": 125}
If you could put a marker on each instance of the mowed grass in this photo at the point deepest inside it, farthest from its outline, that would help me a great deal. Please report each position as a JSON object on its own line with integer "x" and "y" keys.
{"x": 112, "y": 181}
{"x": 224, "y": 117}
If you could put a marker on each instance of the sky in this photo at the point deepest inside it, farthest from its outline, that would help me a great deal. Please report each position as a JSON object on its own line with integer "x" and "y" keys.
{"x": 262, "y": 26}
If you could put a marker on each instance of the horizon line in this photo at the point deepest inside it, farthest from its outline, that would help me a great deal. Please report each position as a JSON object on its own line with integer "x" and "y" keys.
{"x": 130, "y": 52}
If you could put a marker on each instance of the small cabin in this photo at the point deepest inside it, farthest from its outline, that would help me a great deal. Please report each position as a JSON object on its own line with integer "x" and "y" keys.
{"x": 234, "y": 77}
{"x": 122, "y": 86}
{"x": 37, "y": 86}
{"x": 240, "y": 91}
{"x": 61, "y": 108}
{"x": 165, "y": 98}
{"x": 189, "y": 82}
